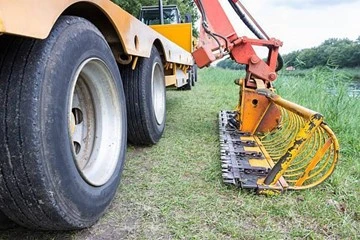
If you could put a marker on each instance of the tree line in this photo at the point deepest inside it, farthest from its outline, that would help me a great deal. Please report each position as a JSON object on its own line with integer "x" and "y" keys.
{"x": 228, "y": 63}
{"x": 185, "y": 7}
{"x": 333, "y": 52}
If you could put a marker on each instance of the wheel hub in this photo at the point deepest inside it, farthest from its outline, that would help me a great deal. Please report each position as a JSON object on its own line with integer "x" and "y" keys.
{"x": 95, "y": 122}
{"x": 158, "y": 93}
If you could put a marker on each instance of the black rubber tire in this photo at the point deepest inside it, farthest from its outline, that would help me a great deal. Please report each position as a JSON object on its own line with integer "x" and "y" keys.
{"x": 195, "y": 69}
{"x": 40, "y": 186}
{"x": 192, "y": 78}
{"x": 188, "y": 85}
{"x": 143, "y": 129}
{"x": 5, "y": 222}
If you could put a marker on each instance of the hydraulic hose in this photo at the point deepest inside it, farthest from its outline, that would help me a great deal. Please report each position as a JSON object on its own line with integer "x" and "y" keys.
{"x": 213, "y": 35}
{"x": 246, "y": 21}
{"x": 250, "y": 26}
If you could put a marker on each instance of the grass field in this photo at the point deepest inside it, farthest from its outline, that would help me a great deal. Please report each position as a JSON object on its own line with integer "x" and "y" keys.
{"x": 174, "y": 190}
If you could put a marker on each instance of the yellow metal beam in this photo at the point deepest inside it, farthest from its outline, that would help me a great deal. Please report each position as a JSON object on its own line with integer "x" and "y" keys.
{"x": 35, "y": 18}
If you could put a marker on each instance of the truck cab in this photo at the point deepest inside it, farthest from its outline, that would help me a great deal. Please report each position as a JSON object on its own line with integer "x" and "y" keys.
{"x": 169, "y": 24}
{"x": 150, "y": 15}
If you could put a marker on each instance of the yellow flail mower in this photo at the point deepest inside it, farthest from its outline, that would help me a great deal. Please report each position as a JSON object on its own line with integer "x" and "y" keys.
{"x": 272, "y": 145}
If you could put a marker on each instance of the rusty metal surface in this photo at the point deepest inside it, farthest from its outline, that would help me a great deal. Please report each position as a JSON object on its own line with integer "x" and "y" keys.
{"x": 257, "y": 113}
{"x": 254, "y": 109}
{"x": 35, "y": 18}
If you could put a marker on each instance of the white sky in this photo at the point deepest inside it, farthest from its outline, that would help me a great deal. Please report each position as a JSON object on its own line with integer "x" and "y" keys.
{"x": 304, "y": 23}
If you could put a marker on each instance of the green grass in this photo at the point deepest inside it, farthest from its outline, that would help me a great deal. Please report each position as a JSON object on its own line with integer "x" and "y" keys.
{"x": 174, "y": 190}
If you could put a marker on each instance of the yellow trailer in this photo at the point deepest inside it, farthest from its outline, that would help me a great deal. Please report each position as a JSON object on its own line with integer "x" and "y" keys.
{"x": 77, "y": 79}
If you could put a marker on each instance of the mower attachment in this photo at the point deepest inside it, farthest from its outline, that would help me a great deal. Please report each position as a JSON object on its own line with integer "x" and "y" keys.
{"x": 299, "y": 153}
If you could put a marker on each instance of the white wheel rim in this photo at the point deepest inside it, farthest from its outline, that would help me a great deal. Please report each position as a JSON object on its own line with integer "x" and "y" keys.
{"x": 95, "y": 122}
{"x": 158, "y": 93}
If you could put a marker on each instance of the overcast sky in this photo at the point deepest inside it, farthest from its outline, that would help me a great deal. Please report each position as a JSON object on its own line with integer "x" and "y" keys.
{"x": 305, "y": 23}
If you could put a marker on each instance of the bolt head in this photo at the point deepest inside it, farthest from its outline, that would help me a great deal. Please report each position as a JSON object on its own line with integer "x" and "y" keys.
{"x": 255, "y": 59}
{"x": 272, "y": 76}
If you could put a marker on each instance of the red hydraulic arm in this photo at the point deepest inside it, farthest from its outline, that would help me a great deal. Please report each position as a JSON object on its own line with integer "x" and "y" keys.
{"x": 218, "y": 37}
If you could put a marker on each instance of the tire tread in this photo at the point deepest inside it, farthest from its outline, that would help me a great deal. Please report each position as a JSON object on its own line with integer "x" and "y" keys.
{"x": 20, "y": 190}
{"x": 140, "y": 131}
{"x": 25, "y": 195}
